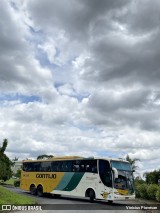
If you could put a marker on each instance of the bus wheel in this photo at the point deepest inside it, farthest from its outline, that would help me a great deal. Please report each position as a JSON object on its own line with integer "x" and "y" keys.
{"x": 110, "y": 201}
{"x": 33, "y": 189}
{"x": 40, "y": 191}
{"x": 91, "y": 195}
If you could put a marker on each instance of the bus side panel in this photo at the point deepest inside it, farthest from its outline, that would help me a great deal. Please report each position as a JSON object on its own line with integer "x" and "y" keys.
{"x": 77, "y": 184}
{"x": 48, "y": 180}
{"x": 69, "y": 183}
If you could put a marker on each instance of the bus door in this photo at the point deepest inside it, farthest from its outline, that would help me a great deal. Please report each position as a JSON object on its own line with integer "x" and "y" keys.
{"x": 105, "y": 183}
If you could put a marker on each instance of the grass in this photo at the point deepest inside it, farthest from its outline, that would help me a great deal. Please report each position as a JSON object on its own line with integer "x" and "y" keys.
{"x": 9, "y": 197}
{"x": 10, "y": 182}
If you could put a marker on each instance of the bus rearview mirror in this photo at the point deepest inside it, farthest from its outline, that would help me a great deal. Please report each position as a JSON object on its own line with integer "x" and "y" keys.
{"x": 115, "y": 172}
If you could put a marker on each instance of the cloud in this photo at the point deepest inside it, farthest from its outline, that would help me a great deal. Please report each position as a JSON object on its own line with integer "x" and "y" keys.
{"x": 75, "y": 18}
{"x": 138, "y": 19}
{"x": 19, "y": 68}
{"x": 80, "y": 77}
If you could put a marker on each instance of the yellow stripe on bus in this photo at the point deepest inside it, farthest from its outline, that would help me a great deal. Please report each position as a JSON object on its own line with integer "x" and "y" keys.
{"x": 48, "y": 180}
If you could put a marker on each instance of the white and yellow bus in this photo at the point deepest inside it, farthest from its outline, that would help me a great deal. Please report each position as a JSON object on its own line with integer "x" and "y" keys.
{"x": 97, "y": 178}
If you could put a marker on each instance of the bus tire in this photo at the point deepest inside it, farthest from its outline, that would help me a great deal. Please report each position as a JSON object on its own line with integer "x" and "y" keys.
{"x": 91, "y": 195}
{"x": 33, "y": 189}
{"x": 110, "y": 201}
{"x": 40, "y": 191}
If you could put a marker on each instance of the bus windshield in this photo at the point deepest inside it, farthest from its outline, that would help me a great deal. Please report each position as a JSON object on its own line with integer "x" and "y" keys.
{"x": 125, "y": 179}
{"x": 119, "y": 165}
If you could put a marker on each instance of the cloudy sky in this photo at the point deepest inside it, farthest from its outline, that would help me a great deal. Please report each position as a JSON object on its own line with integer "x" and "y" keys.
{"x": 81, "y": 77}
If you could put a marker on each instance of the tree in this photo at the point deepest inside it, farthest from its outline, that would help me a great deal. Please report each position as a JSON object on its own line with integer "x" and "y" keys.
{"x": 14, "y": 160}
{"x": 4, "y": 146}
{"x": 132, "y": 162}
{"x": 152, "y": 177}
{"x": 44, "y": 156}
{"x": 18, "y": 173}
{"x": 5, "y": 163}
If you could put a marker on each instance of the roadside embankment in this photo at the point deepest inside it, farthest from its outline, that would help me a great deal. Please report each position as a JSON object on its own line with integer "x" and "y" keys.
{"x": 9, "y": 197}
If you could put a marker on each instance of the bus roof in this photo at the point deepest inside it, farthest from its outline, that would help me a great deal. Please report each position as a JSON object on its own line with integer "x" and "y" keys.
{"x": 56, "y": 158}
{"x": 59, "y": 158}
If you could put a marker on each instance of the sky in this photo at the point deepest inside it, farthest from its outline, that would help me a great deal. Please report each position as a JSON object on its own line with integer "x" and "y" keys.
{"x": 81, "y": 77}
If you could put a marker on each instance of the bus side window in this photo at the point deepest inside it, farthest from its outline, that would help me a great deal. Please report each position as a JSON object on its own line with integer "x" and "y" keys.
{"x": 81, "y": 168}
{"x": 85, "y": 166}
{"x": 46, "y": 166}
{"x": 88, "y": 168}
{"x": 30, "y": 167}
{"x": 70, "y": 166}
{"x": 75, "y": 166}
{"x": 54, "y": 166}
{"x": 66, "y": 166}
{"x": 25, "y": 167}
{"x": 63, "y": 167}
{"x": 91, "y": 166}
{"x": 36, "y": 166}
{"x": 94, "y": 169}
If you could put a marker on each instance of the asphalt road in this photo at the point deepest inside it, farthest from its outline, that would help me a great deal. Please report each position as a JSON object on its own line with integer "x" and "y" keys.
{"x": 77, "y": 205}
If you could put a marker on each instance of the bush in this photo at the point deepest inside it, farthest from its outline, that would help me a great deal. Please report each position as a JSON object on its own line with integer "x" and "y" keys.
{"x": 158, "y": 194}
{"x": 143, "y": 190}
{"x": 151, "y": 191}
{"x": 146, "y": 191}
{"x": 137, "y": 181}
{"x": 137, "y": 189}
{"x": 138, "y": 184}
{"x": 17, "y": 183}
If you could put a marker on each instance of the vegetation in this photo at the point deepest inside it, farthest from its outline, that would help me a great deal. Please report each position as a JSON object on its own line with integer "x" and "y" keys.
{"x": 18, "y": 173}
{"x": 17, "y": 183}
{"x": 147, "y": 191}
{"x": 14, "y": 161}
{"x": 8, "y": 197}
{"x": 158, "y": 194}
{"x": 151, "y": 191}
{"x": 5, "y": 163}
{"x": 44, "y": 156}
{"x": 9, "y": 182}
{"x": 132, "y": 162}
{"x": 141, "y": 191}
{"x": 152, "y": 177}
